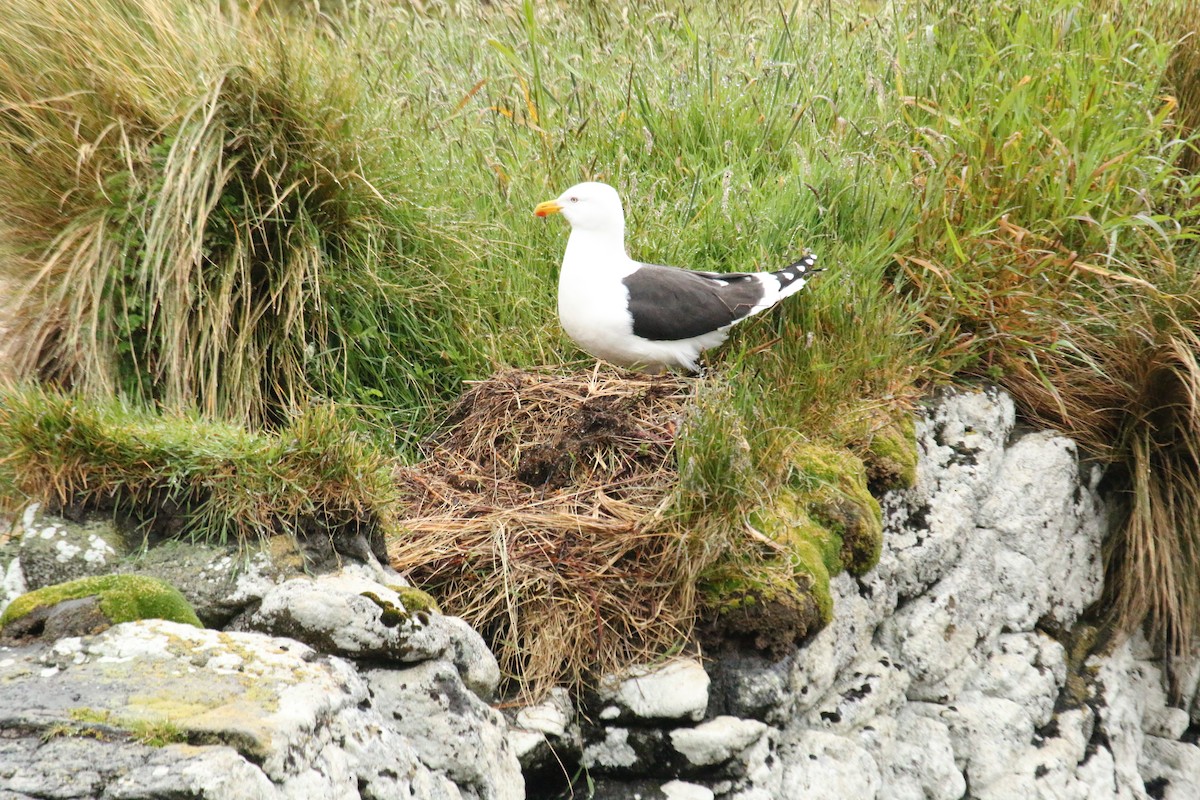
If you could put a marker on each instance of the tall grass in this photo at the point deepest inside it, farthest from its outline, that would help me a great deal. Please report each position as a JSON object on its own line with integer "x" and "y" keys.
{"x": 246, "y": 209}
{"x": 212, "y": 212}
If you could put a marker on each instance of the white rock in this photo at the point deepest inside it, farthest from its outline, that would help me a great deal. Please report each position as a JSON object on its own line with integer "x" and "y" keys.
{"x": 546, "y": 724}
{"x": 1050, "y": 530}
{"x": 613, "y": 751}
{"x": 680, "y": 790}
{"x": 988, "y": 734}
{"x": 12, "y": 585}
{"x": 960, "y": 448}
{"x": 550, "y": 717}
{"x": 287, "y": 724}
{"x": 342, "y": 614}
{"x": 826, "y": 766}
{"x": 1130, "y": 686}
{"x": 817, "y": 665}
{"x": 676, "y": 690}
{"x": 1027, "y": 668}
{"x": 1176, "y": 765}
{"x": 1051, "y": 769}
{"x": 917, "y": 761}
{"x": 452, "y": 730}
{"x": 718, "y": 740}
{"x": 867, "y": 688}
{"x": 1168, "y": 723}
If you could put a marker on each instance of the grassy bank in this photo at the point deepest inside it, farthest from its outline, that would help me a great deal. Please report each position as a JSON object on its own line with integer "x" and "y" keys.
{"x": 243, "y": 209}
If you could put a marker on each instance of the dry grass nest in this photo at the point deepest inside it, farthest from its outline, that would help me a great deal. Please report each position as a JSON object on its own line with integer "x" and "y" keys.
{"x": 541, "y": 516}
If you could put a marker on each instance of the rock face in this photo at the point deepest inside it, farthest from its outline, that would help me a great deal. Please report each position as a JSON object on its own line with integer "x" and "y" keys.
{"x": 958, "y": 668}
{"x": 153, "y": 709}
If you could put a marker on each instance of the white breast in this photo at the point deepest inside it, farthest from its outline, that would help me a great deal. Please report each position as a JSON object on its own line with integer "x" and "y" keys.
{"x": 593, "y": 303}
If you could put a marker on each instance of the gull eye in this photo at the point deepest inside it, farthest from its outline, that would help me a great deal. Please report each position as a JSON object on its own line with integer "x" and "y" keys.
{"x": 573, "y": 199}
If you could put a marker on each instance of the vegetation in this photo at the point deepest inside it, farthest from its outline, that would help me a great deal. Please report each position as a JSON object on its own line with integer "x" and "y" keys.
{"x": 97, "y": 722}
{"x": 122, "y": 598}
{"x": 240, "y": 208}
{"x": 176, "y": 475}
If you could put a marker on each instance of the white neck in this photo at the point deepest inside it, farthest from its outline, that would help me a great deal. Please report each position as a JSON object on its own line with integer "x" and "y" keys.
{"x": 604, "y": 246}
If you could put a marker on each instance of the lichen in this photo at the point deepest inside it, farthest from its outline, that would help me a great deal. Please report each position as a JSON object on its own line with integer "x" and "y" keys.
{"x": 123, "y": 598}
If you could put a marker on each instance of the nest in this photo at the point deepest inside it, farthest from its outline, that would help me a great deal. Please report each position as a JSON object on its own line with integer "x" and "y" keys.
{"x": 541, "y": 516}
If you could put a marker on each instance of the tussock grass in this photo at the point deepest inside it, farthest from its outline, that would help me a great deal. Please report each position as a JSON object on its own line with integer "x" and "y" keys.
{"x": 211, "y": 215}
{"x": 186, "y": 477}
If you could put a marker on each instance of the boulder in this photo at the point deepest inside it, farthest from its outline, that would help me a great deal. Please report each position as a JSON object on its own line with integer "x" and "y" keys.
{"x": 352, "y": 615}
{"x": 152, "y": 706}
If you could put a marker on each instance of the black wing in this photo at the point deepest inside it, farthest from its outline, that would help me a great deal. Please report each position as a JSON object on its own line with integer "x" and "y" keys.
{"x": 668, "y": 304}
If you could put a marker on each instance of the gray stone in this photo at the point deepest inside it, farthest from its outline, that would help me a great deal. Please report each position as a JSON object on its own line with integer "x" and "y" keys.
{"x": 545, "y": 736}
{"x": 614, "y": 752}
{"x": 452, "y": 730}
{"x": 12, "y": 582}
{"x": 718, "y": 740}
{"x": 1174, "y": 765}
{"x": 872, "y": 687}
{"x": 681, "y": 790}
{"x": 916, "y": 760}
{"x": 827, "y": 766}
{"x": 55, "y": 550}
{"x": 277, "y": 720}
{"x": 219, "y": 582}
{"x": 352, "y": 616}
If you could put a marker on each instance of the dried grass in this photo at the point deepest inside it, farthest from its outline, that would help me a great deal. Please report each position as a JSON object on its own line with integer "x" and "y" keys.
{"x": 541, "y": 517}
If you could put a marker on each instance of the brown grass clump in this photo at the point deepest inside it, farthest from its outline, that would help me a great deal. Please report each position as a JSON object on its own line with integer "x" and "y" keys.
{"x": 540, "y": 517}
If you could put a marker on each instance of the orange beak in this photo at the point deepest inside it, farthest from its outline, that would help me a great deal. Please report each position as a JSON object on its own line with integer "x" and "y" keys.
{"x": 547, "y": 208}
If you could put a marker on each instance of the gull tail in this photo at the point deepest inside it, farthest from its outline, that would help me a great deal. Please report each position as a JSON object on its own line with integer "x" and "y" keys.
{"x": 785, "y": 282}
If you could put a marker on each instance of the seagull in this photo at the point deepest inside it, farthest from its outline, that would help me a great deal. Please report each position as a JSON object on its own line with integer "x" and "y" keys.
{"x": 645, "y": 316}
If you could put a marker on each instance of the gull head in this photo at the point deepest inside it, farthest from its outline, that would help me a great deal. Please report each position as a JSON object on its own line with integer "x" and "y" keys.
{"x": 589, "y": 206}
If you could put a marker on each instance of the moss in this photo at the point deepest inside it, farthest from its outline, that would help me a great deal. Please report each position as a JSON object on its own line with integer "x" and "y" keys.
{"x": 416, "y": 601}
{"x": 123, "y": 598}
{"x": 775, "y": 592}
{"x": 413, "y": 603}
{"x": 392, "y": 615}
{"x": 770, "y": 606}
{"x": 788, "y": 522}
{"x": 891, "y": 455}
{"x": 832, "y": 487}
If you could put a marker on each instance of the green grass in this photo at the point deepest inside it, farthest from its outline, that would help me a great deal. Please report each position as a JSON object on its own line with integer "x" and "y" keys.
{"x": 199, "y": 218}
{"x": 181, "y": 476}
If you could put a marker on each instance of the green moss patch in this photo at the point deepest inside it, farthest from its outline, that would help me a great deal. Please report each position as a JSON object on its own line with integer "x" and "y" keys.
{"x": 766, "y": 606}
{"x": 774, "y": 592}
{"x": 416, "y": 601}
{"x": 831, "y": 486}
{"x": 122, "y": 598}
{"x": 890, "y": 455}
